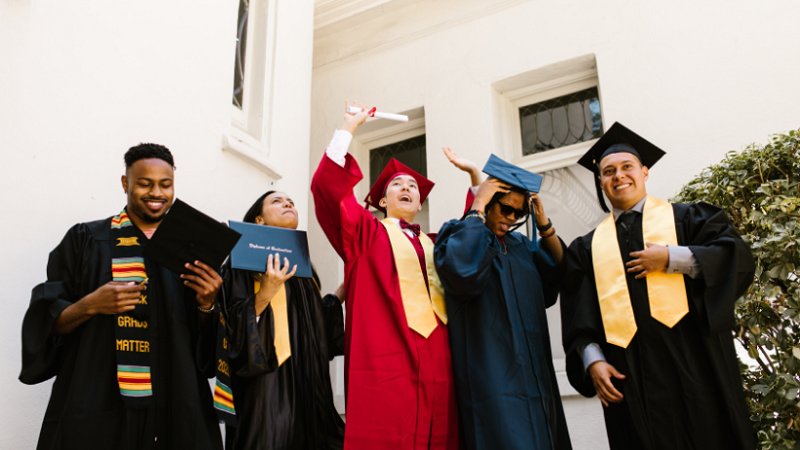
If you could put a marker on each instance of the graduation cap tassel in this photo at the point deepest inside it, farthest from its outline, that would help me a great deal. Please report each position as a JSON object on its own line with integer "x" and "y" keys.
{"x": 600, "y": 198}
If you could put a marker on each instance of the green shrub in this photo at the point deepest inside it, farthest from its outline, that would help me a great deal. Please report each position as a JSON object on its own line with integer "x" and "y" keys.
{"x": 758, "y": 188}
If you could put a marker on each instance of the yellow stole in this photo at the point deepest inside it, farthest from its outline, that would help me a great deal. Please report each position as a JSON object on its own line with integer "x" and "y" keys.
{"x": 421, "y": 309}
{"x": 283, "y": 349}
{"x": 667, "y": 292}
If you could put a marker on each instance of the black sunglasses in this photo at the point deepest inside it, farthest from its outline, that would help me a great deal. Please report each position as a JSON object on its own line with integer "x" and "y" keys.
{"x": 507, "y": 210}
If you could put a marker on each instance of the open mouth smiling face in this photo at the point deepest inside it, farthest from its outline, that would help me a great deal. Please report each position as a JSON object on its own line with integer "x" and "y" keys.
{"x": 622, "y": 177}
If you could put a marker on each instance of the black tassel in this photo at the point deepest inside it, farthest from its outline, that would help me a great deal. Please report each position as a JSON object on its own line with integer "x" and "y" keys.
{"x": 600, "y": 194}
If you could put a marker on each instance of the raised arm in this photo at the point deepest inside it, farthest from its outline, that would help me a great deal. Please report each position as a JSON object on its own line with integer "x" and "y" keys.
{"x": 348, "y": 226}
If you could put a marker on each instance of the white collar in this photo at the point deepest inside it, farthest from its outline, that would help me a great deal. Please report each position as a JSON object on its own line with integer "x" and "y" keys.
{"x": 639, "y": 207}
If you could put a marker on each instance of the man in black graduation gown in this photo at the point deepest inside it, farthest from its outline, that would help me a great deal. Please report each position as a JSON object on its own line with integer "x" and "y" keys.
{"x": 647, "y": 309}
{"x": 131, "y": 343}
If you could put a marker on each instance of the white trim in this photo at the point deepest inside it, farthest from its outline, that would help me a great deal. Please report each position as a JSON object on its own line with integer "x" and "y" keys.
{"x": 349, "y": 47}
{"x": 243, "y": 146}
{"x": 415, "y": 126}
{"x": 535, "y": 86}
{"x": 256, "y": 113}
{"x": 557, "y": 88}
{"x": 554, "y": 159}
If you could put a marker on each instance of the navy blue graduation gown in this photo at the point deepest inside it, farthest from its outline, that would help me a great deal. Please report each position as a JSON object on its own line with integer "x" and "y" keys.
{"x": 500, "y": 343}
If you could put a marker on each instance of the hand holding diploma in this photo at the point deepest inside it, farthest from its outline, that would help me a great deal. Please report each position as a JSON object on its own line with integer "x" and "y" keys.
{"x": 272, "y": 280}
{"x": 353, "y": 119}
{"x": 380, "y": 115}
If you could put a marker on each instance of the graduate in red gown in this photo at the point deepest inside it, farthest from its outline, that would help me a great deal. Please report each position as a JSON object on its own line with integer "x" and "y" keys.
{"x": 398, "y": 376}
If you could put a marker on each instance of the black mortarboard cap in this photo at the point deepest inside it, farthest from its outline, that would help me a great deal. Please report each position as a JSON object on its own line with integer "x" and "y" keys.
{"x": 186, "y": 235}
{"x": 513, "y": 175}
{"x": 618, "y": 139}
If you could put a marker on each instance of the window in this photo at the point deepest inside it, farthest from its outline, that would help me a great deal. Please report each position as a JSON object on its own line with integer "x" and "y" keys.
{"x": 252, "y": 89}
{"x": 560, "y": 121}
{"x": 410, "y": 152}
{"x": 548, "y": 117}
{"x": 241, "y": 53}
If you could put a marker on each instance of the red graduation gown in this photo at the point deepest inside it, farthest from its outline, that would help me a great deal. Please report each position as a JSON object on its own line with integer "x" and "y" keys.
{"x": 399, "y": 385}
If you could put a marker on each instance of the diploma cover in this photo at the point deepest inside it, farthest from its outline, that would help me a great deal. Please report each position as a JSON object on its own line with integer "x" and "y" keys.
{"x": 260, "y": 241}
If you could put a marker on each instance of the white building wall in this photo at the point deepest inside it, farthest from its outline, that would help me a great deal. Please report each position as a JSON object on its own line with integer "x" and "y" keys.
{"x": 80, "y": 83}
{"x": 697, "y": 79}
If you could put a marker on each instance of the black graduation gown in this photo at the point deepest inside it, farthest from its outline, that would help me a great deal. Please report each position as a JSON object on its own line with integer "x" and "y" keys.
{"x": 288, "y": 406}
{"x": 507, "y": 390}
{"x": 86, "y": 409}
{"x": 683, "y": 388}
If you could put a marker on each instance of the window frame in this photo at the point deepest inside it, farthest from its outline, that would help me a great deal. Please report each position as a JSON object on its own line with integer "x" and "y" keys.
{"x": 536, "y": 86}
{"x": 249, "y": 132}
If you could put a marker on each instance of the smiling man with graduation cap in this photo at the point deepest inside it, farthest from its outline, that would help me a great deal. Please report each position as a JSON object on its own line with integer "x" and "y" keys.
{"x": 398, "y": 375}
{"x": 647, "y": 310}
{"x": 498, "y": 285}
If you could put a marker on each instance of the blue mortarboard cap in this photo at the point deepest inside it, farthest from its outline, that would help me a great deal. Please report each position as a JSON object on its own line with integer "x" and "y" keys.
{"x": 511, "y": 174}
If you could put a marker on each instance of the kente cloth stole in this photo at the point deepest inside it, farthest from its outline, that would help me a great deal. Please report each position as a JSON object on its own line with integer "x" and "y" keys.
{"x": 666, "y": 292}
{"x": 130, "y": 328}
{"x": 283, "y": 348}
{"x": 420, "y": 307}
{"x": 223, "y": 394}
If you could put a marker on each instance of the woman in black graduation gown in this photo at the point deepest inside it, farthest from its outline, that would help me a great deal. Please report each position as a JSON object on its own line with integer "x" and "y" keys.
{"x": 282, "y": 402}
{"x": 498, "y": 284}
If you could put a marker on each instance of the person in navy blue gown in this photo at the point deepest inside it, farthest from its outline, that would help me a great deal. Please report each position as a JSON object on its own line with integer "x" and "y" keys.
{"x": 498, "y": 284}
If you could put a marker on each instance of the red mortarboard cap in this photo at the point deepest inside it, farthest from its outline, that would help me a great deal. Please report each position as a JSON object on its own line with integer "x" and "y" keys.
{"x": 389, "y": 173}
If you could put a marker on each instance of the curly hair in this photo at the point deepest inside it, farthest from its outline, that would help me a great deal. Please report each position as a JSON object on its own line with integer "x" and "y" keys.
{"x": 148, "y": 151}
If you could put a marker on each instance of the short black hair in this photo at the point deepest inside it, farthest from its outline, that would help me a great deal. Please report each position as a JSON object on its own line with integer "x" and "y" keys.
{"x": 148, "y": 151}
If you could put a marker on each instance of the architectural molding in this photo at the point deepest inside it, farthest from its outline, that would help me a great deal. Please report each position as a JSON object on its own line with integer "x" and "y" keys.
{"x": 252, "y": 151}
{"x": 409, "y": 20}
{"x": 534, "y": 86}
{"x": 331, "y": 16}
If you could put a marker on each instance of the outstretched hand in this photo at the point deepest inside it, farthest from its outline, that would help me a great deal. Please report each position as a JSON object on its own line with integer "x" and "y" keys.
{"x": 653, "y": 259}
{"x": 462, "y": 164}
{"x": 352, "y": 121}
{"x": 601, "y": 373}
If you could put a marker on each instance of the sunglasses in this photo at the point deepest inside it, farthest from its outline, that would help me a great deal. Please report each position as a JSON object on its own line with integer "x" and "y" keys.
{"x": 507, "y": 210}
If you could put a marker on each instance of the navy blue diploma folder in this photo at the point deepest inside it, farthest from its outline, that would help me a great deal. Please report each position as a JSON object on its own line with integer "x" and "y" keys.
{"x": 260, "y": 241}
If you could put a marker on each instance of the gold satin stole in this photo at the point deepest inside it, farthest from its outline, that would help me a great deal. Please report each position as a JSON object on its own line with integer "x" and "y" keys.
{"x": 283, "y": 348}
{"x": 421, "y": 309}
{"x": 666, "y": 292}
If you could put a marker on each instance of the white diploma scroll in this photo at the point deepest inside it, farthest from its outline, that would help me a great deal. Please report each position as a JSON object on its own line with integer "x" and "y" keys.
{"x": 380, "y": 115}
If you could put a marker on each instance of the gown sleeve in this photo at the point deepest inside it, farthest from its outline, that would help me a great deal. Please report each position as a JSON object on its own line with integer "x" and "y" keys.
{"x": 726, "y": 263}
{"x": 205, "y": 334}
{"x": 334, "y": 325}
{"x": 252, "y": 348}
{"x": 40, "y": 350}
{"x": 349, "y": 227}
{"x": 463, "y": 255}
{"x": 581, "y": 322}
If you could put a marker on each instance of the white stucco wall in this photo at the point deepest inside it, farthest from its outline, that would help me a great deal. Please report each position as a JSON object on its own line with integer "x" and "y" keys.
{"x": 80, "y": 83}
{"x": 697, "y": 79}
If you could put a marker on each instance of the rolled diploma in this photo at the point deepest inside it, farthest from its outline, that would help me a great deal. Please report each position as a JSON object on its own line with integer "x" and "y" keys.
{"x": 380, "y": 115}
